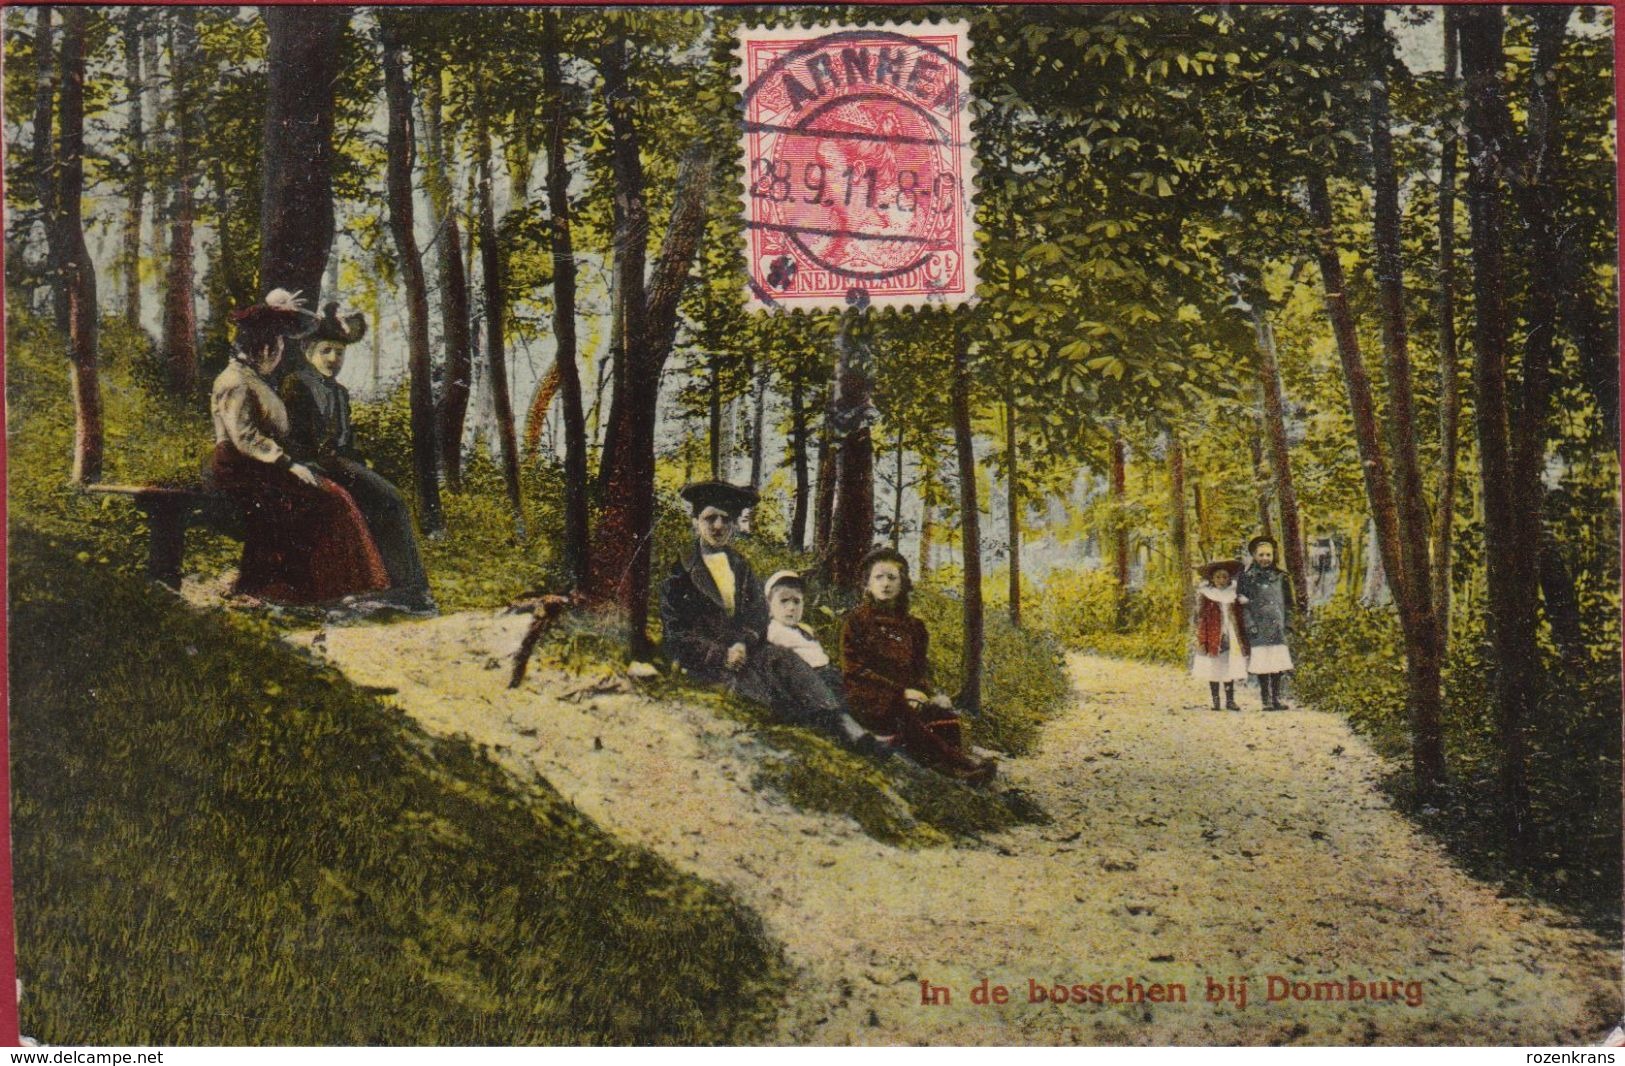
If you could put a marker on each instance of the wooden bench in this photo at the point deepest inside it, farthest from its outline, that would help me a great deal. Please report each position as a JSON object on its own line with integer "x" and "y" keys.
{"x": 169, "y": 512}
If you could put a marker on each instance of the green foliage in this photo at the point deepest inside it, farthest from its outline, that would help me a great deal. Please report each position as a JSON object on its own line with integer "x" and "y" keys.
{"x": 1357, "y": 669}
{"x": 221, "y": 842}
{"x": 1083, "y": 609}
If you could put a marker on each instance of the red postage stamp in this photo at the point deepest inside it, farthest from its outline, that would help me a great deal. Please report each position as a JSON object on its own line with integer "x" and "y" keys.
{"x": 858, "y": 165}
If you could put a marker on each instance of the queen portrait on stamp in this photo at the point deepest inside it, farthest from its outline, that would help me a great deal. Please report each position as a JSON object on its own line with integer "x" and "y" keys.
{"x": 858, "y": 163}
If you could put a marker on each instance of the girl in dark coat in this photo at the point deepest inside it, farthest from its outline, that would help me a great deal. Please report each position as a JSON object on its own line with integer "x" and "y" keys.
{"x": 1266, "y": 616}
{"x": 887, "y": 680}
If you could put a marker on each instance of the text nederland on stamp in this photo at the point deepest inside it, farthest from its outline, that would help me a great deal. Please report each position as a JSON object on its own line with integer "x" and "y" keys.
{"x": 858, "y": 165}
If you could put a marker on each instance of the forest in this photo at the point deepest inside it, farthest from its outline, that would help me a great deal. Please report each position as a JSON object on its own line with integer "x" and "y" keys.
{"x": 1342, "y": 275}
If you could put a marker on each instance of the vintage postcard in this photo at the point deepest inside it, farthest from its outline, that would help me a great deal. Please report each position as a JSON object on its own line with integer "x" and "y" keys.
{"x": 796, "y": 525}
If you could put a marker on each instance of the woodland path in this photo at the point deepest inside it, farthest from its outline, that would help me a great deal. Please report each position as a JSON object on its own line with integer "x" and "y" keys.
{"x": 1185, "y": 844}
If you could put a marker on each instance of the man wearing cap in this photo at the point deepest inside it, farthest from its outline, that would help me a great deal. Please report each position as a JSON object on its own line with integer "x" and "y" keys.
{"x": 714, "y": 617}
{"x": 320, "y": 434}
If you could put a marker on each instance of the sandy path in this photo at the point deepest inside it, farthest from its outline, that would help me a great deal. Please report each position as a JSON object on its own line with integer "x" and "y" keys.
{"x": 1186, "y": 845}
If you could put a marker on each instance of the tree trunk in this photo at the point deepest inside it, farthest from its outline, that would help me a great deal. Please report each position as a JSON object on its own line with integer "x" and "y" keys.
{"x": 714, "y": 422}
{"x": 400, "y": 145}
{"x": 135, "y": 22}
{"x": 297, "y": 211}
{"x": 1261, "y": 479}
{"x": 496, "y": 314}
{"x": 758, "y": 427}
{"x": 1562, "y": 604}
{"x": 180, "y": 308}
{"x": 1449, "y": 358}
{"x": 970, "y": 690}
{"x": 927, "y": 527}
{"x": 576, "y": 547}
{"x": 1119, "y": 532}
{"x": 1516, "y": 683}
{"x": 1204, "y": 535}
{"x": 853, "y": 529}
{"x": 1373, "y": 460}
{"x": 44, "y": 161}
{"x": 1423, "y": 655}
{"x": 824, "y": 501}
{"x": 1176, "y": 523}
{"x": 798, "y": 461}
{"x": 898, "y": 473}
{"x": 451, "y": 406}
{"x": 78, "y": 272}
{"x": 1268, "y": 366}
{"x": 621, "y": 549}
{"x": 1012, "y": 475}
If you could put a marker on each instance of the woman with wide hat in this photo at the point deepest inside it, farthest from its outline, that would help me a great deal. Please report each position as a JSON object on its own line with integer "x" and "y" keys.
{"x": 321, "y": 435}
{"x": 305, "y": 541}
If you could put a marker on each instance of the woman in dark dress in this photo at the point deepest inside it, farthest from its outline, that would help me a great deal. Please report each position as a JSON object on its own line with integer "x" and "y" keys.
{"x": 888, "y": 681}
{"x": 305, "y": 542}
{"x": 321, "y": 435}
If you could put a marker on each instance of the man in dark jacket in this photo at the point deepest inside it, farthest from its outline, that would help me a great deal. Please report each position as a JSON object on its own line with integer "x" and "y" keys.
{"x": 714, "y": 618}
{"x": 320, "y": 435}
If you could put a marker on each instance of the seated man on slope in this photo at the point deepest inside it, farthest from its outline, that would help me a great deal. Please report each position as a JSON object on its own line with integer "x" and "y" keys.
{"x": 715, "y": 622}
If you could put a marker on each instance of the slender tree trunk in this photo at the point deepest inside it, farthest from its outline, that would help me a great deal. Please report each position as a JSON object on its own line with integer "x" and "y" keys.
{"x": 1012, "y": 477}
{"x": 1261, "y": 480}
{"x": 927, "y": 526}
{"x": 451, "y": 406}
{"x": 824, "y": 501}
{"x": 46, "y": 176}
{"x": 155, "y": 119}
{"x": 496, "y": 314}
{"x": 297, "y": 212}
{"x": 1373, "y": 459}
{"x": 621, "y": 550}
{"x": 1268, "y": 366}
{"x": 180, "y": 308}
{"x": 1536, "y": 194}
{"x": 1119, "y": 487}
{"x": 135, "y": 22}
{"x": 79, "y": 273}
{"x": 1562, "y": 603}
{"x": 1176, "y": 524}
{"x": 1511, "y": 578}
{"x": 1449, "y": 358}
{"x": 1423, "y": 655}
{"x": 714, "y": 424}
{"x": 798, "y": 461}
{"x": 576, "y": 546}
{"x": 853, "y": 529}
{"x": 758, "y": 426}
{"x": 897, "y": 493}
{"x": 970, "y": 690}
{"x": 1204, "y": 535}
{"x": 398, "y": 97}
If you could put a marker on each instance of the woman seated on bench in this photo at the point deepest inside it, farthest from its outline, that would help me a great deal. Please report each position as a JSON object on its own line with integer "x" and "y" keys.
{"x": 305, "y": 542}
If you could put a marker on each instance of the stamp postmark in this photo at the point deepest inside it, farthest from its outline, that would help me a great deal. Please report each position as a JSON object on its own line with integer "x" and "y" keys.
{"x": 858, "y": 165}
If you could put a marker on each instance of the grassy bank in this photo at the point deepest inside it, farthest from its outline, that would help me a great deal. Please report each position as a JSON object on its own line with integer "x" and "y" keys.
{"x": 219, "y": 841}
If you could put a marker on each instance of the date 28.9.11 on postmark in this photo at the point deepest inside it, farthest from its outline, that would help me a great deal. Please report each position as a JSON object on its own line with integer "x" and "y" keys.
{"x": 858, "y": 165}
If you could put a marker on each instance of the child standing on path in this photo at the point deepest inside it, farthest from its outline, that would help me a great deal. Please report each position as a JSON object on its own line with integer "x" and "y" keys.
{"x": 1221, "y": 642}
{"x": 1266, "y": 614}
